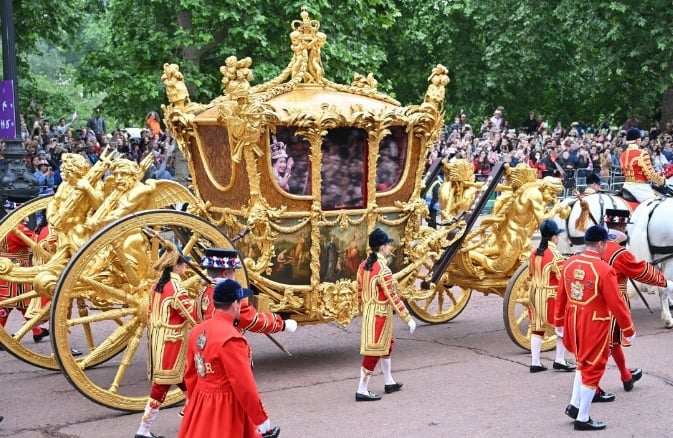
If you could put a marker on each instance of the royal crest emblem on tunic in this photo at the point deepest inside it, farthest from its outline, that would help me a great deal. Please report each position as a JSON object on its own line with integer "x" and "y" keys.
{"x": 576, "y": 291}
{"x": 199, "y": 362}
{"x": 205, "y": 302}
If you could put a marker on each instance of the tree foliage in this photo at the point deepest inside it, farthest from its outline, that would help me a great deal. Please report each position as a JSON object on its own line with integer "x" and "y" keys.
{"x": 568, "y": 59}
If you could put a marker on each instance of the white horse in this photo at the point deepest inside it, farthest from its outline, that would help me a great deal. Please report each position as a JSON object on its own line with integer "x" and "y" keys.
{"x": 651, "y": 238}
{"x": 584, "y": 212}
{"x": 590, "y": 210}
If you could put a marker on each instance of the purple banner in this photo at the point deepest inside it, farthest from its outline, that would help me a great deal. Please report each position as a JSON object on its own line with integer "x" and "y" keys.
{"x": 7, "y": 113}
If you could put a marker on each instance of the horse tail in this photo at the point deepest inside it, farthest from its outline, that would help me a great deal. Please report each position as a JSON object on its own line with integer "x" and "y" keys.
{"x": 582, "y": 221}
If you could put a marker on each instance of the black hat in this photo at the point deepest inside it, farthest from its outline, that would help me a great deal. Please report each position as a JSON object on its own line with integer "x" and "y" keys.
{"x": 221, "y": 258}
{"x": 549, "y": 228}
{"x": 633, "y": 134}
{"x": 618, "y": 217}
{"x": 592, "y": 178}
{"x": 228, "y": 291}
{"x": 378, "y": 238}
{"x": 597, "y": 233}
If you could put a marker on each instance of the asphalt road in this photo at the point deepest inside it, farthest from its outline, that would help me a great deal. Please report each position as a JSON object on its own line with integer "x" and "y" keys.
{"x": 461, "y": 379}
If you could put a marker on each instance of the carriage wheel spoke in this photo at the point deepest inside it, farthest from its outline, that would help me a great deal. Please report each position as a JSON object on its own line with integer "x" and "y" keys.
{"x": 129, "y": 353}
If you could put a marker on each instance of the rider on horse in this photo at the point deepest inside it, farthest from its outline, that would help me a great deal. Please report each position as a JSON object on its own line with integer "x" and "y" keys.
{"x": 637, "y": 169}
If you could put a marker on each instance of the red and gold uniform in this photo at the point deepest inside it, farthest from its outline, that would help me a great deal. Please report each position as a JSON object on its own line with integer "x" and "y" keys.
{"x": 545, "y": 272}
{"x": 18, "y": 251}
{"x": 627, "y": 266}
{"x": 250, "y": 319}
{"x": 223, "y": 396}
{"x": 586, "y": 301}
{"x": 638, "y": 171}
{"x": 170, "y": 318}
{"x": 379, "y": 301}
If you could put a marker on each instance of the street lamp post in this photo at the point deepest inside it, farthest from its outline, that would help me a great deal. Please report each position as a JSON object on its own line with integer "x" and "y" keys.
{"x": 16, "y": 182}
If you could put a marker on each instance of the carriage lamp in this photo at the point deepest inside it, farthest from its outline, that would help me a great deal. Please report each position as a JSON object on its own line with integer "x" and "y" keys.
{"x": 16, "y": 182}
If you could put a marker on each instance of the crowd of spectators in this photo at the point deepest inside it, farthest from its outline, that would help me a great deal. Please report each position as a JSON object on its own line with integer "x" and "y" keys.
{"x": 560, "y": 152}
{"x": 45, "y": 140}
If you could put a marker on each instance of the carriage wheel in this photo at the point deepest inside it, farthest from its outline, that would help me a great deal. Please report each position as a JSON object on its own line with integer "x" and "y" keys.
{"x": 515, "y": 312}
{"x": 16, "y": 336}
{"x": 102, "y": 298}
{"x": 438, "y": 306}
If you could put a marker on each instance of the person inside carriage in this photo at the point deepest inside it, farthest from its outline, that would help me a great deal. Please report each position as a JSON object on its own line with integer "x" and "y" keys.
{"x": 638, "y": 170}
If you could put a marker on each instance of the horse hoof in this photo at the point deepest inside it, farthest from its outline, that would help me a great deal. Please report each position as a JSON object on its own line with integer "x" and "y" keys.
{"x": 669, "y": 325}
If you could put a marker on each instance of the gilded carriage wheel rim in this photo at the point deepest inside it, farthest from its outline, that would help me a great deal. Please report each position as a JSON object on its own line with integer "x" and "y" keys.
{"x": 116, "y": 319}
{"x": 515, "y": 312}
{"x": 39, "y": 355}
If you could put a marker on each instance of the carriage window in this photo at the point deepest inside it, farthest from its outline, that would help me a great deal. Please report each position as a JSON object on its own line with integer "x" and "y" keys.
{"x": 290, "y": 161}
{"x": 392, "y": 155}
{"x": 343, "y": 152}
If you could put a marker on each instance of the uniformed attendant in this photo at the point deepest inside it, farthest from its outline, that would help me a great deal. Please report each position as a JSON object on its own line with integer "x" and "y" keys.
{"x": 222, "y": 263}
{"x": 587, "y": 299}
{"x": 379, "y": 301}
{"x": 223, "y": 396}
{"x": 637, "y": 168}
{"x": 171, "y": 315}
{"x": 626, "y": 266}
{"x": 545, "y": 270}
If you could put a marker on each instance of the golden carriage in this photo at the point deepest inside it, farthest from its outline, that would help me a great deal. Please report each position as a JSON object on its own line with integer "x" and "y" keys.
{"x": 300, "y": 169}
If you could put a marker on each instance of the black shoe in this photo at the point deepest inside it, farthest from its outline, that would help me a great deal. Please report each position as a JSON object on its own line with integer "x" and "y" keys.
{"x": 392, "y": 388}
{"x": 370, "y": 396}
{"x": 572, "y": 411}
{"x": 273, "y": 433}
{"x": 589, "y": 425}
{"x": 537, "y": 368}
{"x": 2, "y": 418}
{"x": 603, "y": 397}
{"x": 43, "y": 334}
{"x": 567, "y": 366}
{"x": 635, "y": 376}
{"x": 75, "y": 352}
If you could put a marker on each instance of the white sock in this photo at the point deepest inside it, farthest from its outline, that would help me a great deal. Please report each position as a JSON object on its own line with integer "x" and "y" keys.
{"x": 535, "y": 348}
{"x": 586, "y": 397}
{"x": 364, "y": 381}
{"x": 148, "y": 418}
{"x": 577, "y": 385}
{"x": 560, "y": 351}
{"x": 386, "y": 366}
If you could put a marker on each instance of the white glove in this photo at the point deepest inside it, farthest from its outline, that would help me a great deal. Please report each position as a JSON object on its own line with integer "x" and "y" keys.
{"x": 412, "y": 325}
{"x": 290, "y": 325}
{"x": 629, "y": 339}
{"x": 669, "y": 285}
{"x": 264, "y": 427}
{"x": 559, "y": 331}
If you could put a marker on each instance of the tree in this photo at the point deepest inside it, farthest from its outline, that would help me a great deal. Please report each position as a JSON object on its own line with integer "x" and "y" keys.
{"x": 198, "y": 35}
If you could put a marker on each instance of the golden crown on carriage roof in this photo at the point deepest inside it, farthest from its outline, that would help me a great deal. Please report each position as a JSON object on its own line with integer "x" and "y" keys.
{"x": 305, "y": 25}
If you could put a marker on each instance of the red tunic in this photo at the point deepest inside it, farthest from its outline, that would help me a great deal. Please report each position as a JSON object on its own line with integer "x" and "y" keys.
{"x": 637, "y": 166}
{"x": 545, "y": 272}
{"x": 170, "y": 317}
{"x": 16, "y": 250}
{"x": 250, "y": 319}
{"x": 379, "y": 300}
{"x": 627, "y": 266}
{"x": 587, "y": 299}
{"x": 224, "y": 401}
